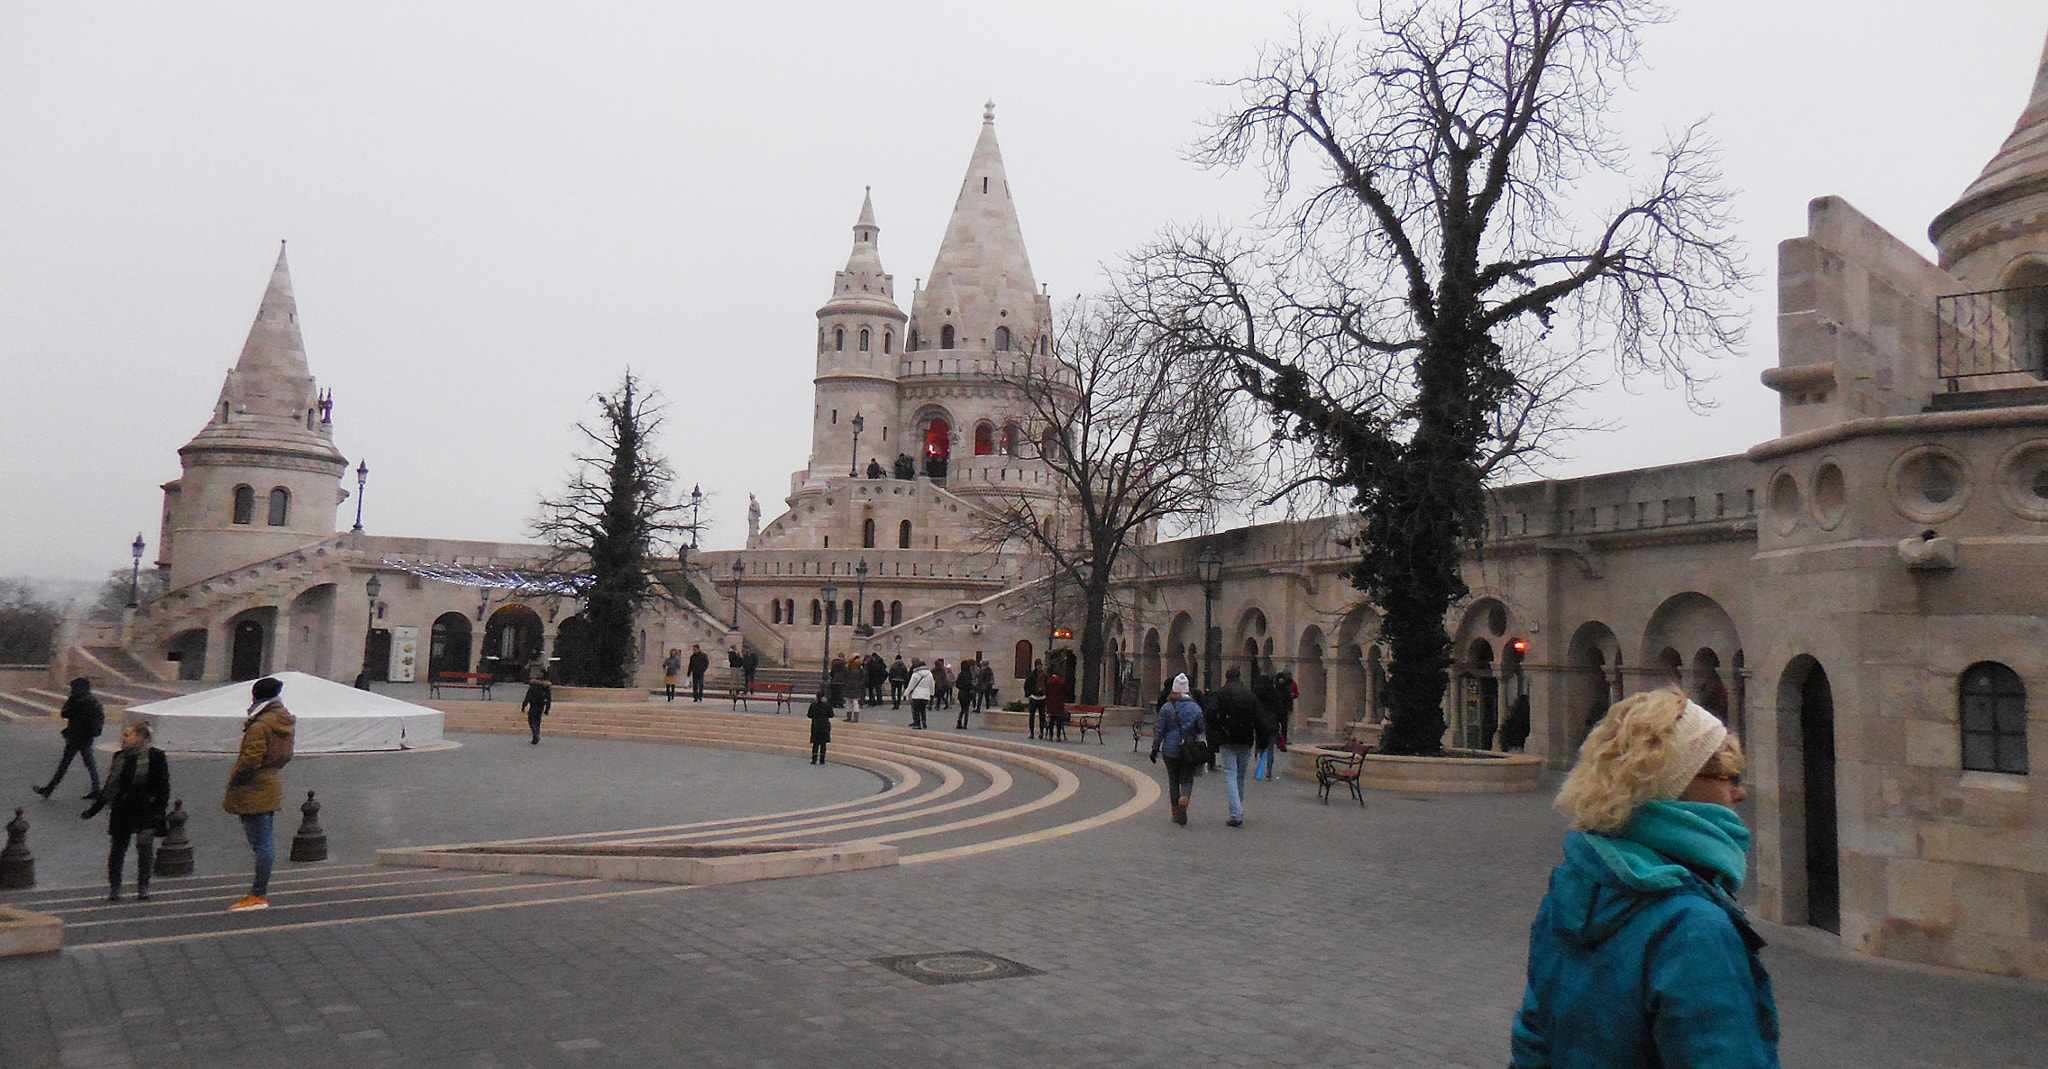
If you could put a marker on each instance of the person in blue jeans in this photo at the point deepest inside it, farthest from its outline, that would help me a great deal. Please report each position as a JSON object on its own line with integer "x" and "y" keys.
{"x": 1233, "y": 728}
{"x": 255, "y": 792}
{"x": 1179, "y": 722}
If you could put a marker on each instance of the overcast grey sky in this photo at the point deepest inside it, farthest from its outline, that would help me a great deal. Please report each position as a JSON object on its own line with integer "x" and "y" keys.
{"x": 493, "y": 207}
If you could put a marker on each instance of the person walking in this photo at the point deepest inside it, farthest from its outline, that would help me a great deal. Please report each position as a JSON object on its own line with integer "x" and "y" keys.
{"x": 539, "y": 700}
{"x": 919, "y": 691}
{"x": 700, "y": 663}
{"x": 671, "y": 672}
{"x": 84, "y": 719}
{"x": 966, "y": 686}
{"x": 1266, "y": 693}
{"x": 137, "y": 792}
{"x": 942, "y": 684}
{"x": 821, "y": 727}
{"x": 1639, "y": 954}
{"x": 836, "y": 681}
{"x": 876, "y": 672}
{"x": 750, "y": 664}
{"x": 1233, "y": 729}
{"x": 899, "y": 677}
{"x": 1178, "y": 725}
{"x": 255, "y": 791}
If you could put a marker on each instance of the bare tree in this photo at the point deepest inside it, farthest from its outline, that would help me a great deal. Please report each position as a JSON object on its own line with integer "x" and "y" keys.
{"x": 1136, "y": 439}
{"x": 1427, "y": 293}
{"x": 28, "y": 623}
{"x": 611, "y": 524}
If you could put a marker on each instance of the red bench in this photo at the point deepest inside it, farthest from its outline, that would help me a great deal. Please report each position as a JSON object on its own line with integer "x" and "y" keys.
{"x": 1084, "y": 719}
{"x": 778, "y": 691}
{"x": 477, "y": 681}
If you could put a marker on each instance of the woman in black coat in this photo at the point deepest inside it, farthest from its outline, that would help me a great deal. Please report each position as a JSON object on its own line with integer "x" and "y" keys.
{"x": 821, "y": 728}
{"x": 137, "y": 791}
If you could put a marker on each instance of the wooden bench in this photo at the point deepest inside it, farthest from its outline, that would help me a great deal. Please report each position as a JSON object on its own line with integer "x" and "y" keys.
{"x": 477, "y": 681}
{"x": 1141, "y": 729}
{"x": 1333, "y": 769}
{"x": 780, "y": 692}
{"x": 1084, "y": 719}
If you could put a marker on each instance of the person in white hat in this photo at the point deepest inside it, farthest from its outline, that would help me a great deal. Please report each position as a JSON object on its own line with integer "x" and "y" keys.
{"x": 1639, "y": 954}
{"x": 1176, "y": 732}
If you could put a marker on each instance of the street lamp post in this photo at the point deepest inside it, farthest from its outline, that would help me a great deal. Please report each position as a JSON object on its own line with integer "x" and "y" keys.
{"x": 696, "y": 503}
{"x": 372, "y": 588}
{"x": 1209, "y": 567}
{"x": 853, "y": 461}
{"x": 860, "y": 600}
{"x": 739, "y": 568}
{"x": 135, "y": 576}
{"x": 830, "y": 591}
{"x": 362, "y": 476}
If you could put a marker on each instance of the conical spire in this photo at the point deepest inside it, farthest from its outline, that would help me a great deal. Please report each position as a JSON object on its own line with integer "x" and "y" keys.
{"x": 981, "y": 283}
{"x": 863, "y": 286}
{"x": 2010, "y": 197}
{"x": 270, "y": 393}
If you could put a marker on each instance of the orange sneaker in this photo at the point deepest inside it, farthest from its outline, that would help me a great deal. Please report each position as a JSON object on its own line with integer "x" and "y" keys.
{"x": 248, "y": 903}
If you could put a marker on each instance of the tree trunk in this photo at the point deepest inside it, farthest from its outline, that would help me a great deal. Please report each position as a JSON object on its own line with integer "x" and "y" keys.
{"x": 1093, "y": 637}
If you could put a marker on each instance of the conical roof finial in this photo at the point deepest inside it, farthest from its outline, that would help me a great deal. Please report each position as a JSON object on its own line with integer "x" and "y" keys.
{"x": 1991, "y": 207}
{"x": 988, "y": 111}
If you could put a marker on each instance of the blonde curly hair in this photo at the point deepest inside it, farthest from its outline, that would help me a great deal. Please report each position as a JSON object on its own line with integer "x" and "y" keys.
{"x": 1631, "y": 757}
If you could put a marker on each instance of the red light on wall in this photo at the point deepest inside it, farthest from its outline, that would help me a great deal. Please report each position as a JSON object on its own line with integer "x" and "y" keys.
{"x": 1520, "y": 645}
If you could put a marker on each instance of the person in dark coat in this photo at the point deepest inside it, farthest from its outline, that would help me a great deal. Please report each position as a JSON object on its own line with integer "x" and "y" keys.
{"x": 837, "y": 680}
{"x": 875, "y": 672}
{"x": 699, "y": 664}
{"x": 1267, "y": 724}
{"x": 1056, "y": 705}
{"x": 1514, "y": 731}
{"x": 821, "y": 728}
{"x": 137, "y": 792}
{"x": 1233, "y": 730}
{"x": 540, "y": 698}
{"x": 1034, "y": 699}
{"x": 899, "y": 676}
{"x": 84, "y": 719}
{"x": 1179, "y": 720}
{"x": 750, "y": 663}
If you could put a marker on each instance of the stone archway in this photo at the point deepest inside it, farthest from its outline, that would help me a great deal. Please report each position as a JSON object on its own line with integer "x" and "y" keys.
{"x": 1312, "y": 676}
{"x": 513, "y": 640}
{"x": 1808, "y": 814}
{"x": 448, "y": 645}
{"x": 1686, "y": 642}
{"x": 1593, "y": 683}
{"x": 1149, "y": 668}
{"x": 249, "y": 644}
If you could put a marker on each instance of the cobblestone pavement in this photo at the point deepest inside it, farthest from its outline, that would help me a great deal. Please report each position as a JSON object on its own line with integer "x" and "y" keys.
{"x": 1315, "y": 935}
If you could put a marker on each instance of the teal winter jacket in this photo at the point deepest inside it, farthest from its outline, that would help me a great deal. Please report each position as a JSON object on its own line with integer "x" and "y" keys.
{"x": 1639, "y": 955}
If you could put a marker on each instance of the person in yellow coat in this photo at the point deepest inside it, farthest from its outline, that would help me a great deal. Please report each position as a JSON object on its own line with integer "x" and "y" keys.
{"x": 255, "y": 792}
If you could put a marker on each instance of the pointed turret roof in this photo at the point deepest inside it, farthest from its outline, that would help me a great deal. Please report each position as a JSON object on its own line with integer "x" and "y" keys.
{"x": 863, "y": 287}
{"x": 981, "y": 279}
{"x": 270, "y": 399}
{"x": 1991, "y": 206}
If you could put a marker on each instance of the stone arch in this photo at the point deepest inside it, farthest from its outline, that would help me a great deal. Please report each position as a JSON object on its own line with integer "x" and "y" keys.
{"x": 984, "y": 438}
{"x": 1311, "y": 676}
{"x": 310, "y": 646}
{"x": 1149, "y": 667}
{"x": 448, "y": 645}
{"x": 1807, "y": 811}
{"x": 251, "y": 643}
{"x": 1352, "y": 668}
{"x": 513, "y": 638}
{"x": 1251, "y": 640}
{"x": 1593, "y": 666}
{"x": 1183, "y": 654}
{"x": 1691, "y": 632}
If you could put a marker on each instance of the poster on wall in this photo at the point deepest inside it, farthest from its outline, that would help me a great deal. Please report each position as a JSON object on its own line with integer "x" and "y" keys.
{"x": 405, "y": 648}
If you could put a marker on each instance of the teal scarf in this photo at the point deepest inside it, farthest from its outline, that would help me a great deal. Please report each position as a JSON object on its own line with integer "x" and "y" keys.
{"x": 1663, "y": 840}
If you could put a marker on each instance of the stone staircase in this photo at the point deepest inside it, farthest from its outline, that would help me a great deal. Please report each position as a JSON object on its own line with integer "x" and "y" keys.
{"x": 118, "y": 680}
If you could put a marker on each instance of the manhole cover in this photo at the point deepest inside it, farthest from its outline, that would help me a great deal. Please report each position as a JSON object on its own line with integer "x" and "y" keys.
{"x": 955, "y": 967}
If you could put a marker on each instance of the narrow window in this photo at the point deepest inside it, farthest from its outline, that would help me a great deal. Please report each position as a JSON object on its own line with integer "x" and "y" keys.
{"x": 903, "y": 535}
{"x": 245, "y": 505}
{"x": 888, "y": 341}
{"x": 946, "y": 336}
{"x": 913, "y": 339}
{"x": 984, "y": 183}
{"x": 984, "y": 439}
{"x": 817, "y": 612}
{"x": 839, "y": 339}
{"x": 1993, "y": 708}
{"x": 876, "y": 619}
{"x": 846, "y": 612}
{"x": 895, "y": 613}
{"x": 1002, "y": 339}
{"x": 280, "y": 507}
{"x": 867, "y": 533}
{"x": 863, "y": 339}
{"x": 775, "y": 612}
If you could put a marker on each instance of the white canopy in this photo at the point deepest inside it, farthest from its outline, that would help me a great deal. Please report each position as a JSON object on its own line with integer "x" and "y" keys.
{"x": 333, "y": 718}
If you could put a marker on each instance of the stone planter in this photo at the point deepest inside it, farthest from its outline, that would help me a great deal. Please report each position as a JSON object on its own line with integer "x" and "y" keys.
{"x": 1456, "y": 772}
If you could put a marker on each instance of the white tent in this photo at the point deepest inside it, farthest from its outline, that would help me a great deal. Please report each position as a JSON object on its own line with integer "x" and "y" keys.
{"x": 333, "y": 718}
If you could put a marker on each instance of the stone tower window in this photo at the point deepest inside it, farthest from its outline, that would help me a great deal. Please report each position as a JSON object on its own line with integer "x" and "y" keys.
{"x": 903, "y": 535}
{"x": 817, "y": 612}
{"x": 1992, "y": 706}
{"x": 867, "y": 533}
{"x": 984, "y": 438}
{"x": 280, "y": 507}
{"x": 839, "y": 339}
{"x": 1002, "y": 339}
{"x": 895, "y": 613}
{"x": 888, "y": 341}
{"x": 245, "y": 504}
{"x": 863, "y": 339}
{"x": 946, "y": 336}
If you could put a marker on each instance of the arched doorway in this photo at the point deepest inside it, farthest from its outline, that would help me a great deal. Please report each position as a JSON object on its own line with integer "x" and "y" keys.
{"x": 448, "y": 645}
{"x": 1149, "y": 668}
{"x": 245, "y": 654}
{"x": 1593, "y": 685}
{"x": 512, "y": 641}
{"x": 938, "y": 447}
{"x": 572, "y": 652}
{"x": 1021, "y": 661}
{"x": 377, "y": 656}
{"x": 1311, "y": 678}
{"x": 1806, "y": 703}
{"x": 1478, "y": 698}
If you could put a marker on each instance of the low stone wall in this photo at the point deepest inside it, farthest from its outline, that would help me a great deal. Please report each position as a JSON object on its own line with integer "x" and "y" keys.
{"x": 595, "y": 695}
{"x": 16, "y": 678}
{"x": 1458, "y": 772}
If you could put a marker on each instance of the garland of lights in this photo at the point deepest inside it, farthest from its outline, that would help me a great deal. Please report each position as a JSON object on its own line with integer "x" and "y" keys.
{"x": 518, "y": 581}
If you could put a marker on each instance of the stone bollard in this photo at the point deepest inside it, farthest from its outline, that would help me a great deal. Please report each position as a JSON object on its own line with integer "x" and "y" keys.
{"x": 310, "y": 844}
{"x": 174, "y": 854}
{"x": 17, "y": 865}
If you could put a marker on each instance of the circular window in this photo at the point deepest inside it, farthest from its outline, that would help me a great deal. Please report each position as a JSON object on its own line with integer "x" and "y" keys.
{"x": 1784, "y": 502}
{"x": 1929, "y": 484}
{"x": 1830, "y": 495}
{"x": 2023, "y": 480}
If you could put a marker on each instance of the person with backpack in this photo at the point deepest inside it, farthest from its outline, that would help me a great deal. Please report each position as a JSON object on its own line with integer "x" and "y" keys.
{"x": 84, "y": 719}
{"x": 1177, "y": 733}
{"x": 255, "y": 791}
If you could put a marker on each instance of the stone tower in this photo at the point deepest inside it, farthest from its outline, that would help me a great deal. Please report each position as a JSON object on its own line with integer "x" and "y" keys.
{"x": 263, "y": 476}
{"x": 860, "y": 338}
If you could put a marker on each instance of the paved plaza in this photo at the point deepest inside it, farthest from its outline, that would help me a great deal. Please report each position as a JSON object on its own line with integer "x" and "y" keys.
{"x": 1392, "y": 935}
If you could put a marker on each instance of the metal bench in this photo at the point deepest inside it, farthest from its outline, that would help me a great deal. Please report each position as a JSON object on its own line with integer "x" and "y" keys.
{"x": 477, "y": 681}
{"x": 1141, "y": 729}
{"x": 1345, "y": 768}
{"x": 1084, "y": 719}
{"x": 780, "y": 692}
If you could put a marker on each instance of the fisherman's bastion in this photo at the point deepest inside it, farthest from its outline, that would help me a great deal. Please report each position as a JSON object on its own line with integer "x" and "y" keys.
{"x": 1864, "y": 598}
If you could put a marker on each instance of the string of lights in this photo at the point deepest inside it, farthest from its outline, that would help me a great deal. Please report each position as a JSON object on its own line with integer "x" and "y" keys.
{"x": 492, "y": 577}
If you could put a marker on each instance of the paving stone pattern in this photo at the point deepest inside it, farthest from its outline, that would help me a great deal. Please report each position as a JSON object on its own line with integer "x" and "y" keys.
{"x": 1315, "y": 935}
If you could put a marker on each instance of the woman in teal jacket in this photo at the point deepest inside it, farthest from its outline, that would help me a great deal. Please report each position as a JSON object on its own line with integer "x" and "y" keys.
{"x": 1639, "y": 955}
